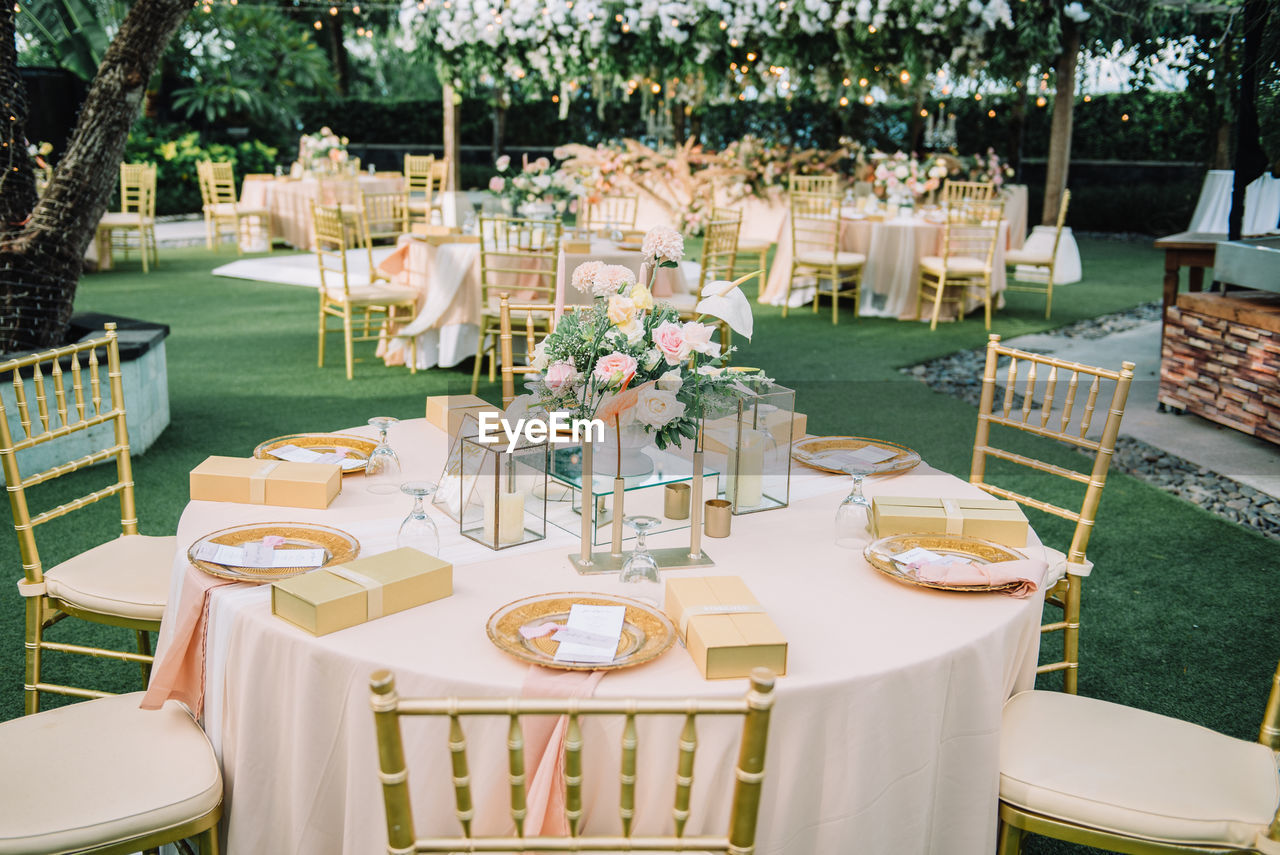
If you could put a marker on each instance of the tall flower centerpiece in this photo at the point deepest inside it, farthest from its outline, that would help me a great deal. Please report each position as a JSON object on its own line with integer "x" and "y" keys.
{"x": 323, "y": 152}
{"x": 538, "y": 184}
{"x": 628, "y": 360}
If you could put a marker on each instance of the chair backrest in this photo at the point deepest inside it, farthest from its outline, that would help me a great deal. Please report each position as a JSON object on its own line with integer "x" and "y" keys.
{"x": 330, "y": 239}
{"x": 138, "y": 189}
{"x": 719, "y": 246}
{"x": 748, "y": 779}
{"x": 538, "y": 321}
{"x": 972, "y": 229}
{"x": 440, "y": 175}
{"x": 75, "y": 410}
{"x": 610, "y": 212}
{"x": 221, "y": 181}
{"x": 386, "y": 216}
{"x": 815, "y": 223}
{"x": 813, "y": 184}
{"x": 1024, "y": 374}
{"x": 417, "y": 174}
{"x": 1062, "y": 221}
{"x": 519, "y": 256}
{"x": 960, "y": 191}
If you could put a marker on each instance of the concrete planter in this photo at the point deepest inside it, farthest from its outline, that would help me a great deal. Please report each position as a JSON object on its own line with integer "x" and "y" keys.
{"x": 144, "y": 377}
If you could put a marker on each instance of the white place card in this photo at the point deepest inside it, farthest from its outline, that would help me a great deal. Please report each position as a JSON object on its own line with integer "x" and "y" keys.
{"x": 296, "y": 454}
{"x": 868, "y": 455}
{"x": 920, "y": 555}
{"x": 258, "y": 556}
{"x": 601, "y": 628}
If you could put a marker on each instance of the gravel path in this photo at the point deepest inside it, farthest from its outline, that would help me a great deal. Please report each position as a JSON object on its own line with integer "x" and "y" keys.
{"x": 960, "y": 374}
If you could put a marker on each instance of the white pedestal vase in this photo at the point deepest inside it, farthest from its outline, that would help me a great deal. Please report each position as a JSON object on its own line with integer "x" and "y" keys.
{"x": 1065, "y": 271}
{"x": 635, "y": 462}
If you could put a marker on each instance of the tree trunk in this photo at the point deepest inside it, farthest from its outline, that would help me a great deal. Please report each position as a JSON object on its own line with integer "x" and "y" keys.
{"x": 1064, "y": 103}
{"x": 1250, "y": 161}
{"x": 452, "y": 133}
{"x": 1018, "y": 130}
{"x": 42, "y": 248}
{"x": 677, "y": 122}
{"x": 338, "y": 54}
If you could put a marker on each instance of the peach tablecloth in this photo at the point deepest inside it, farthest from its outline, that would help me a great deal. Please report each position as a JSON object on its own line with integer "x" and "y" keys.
{"x": 290, "y": 200}
{"x": 884, "y": 735}
{"x": 890, "y": 279}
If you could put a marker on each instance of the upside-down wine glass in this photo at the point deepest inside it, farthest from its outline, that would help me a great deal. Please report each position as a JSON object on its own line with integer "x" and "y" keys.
{"x": 641, "y": 568}
{"x": 382, "y": 472}
{"x": 852, "y": 515}
{"x": 418, "y": 529}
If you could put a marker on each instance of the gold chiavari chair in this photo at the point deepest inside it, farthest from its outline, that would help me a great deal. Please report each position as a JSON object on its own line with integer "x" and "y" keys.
{"x": 363, "y": 308}
{"x": 719, "y": 255}
{"x": 815, "y": 243}
{"x": 1135, "y": 781}
{"x": 385, "y": 216}
{"x": 222, "y": 209}
{"x": 137, "y": 214}
{"x": 967, "y": 191}
{"x": 163, "y": 780}
{"x": 539, "y": 320}
{"x": 968, "y": 251}
{"x": 123, "y": 582}
{"x": 1046, "y": 420}
{"x": 520, "y": 257}
{"x": 825, "y": 184}
{"x": 613, "y": 213}
{"x": 439, "y": 178}
{"x": 1046, "y": 263}
{"x": 418, "y": 185}
{"x": 389, "y": 708}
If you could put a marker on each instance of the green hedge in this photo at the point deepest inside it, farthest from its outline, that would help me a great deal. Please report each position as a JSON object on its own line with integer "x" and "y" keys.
{"x": 175, "y": 150}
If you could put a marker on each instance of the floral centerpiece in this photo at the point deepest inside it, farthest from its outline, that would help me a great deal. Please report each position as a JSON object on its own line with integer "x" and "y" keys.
{"x": 323, "y": 151}
{"x": 538, "y": 183}
{"x": 989, "y": 168}
{"x": 631, "y": 359}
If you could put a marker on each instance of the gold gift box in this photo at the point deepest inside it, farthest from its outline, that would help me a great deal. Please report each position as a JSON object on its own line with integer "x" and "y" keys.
{"x": 728, "y": 643}
{"x": 719, "y": 435}
{"x": 266, "y": 482}
{"x": 325, "y": 601}
{"x": 576, "y": 247}
{"x": 998, "y": 520}
{"x": 447, "y": 411}
{"x": 432, "y": 230}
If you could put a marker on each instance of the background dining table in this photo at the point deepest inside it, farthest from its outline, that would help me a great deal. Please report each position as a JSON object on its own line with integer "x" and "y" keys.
{"x": 884, "y": 736}
{"x": 290, "y": 199}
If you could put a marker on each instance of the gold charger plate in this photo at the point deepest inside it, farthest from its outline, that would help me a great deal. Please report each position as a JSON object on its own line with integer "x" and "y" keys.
{"x": 809, "y": 452}
{"x": 630, "y": 246}
{"x": 880, "y": 554}
{"x": 339, "y": 547}
{"x": 646, "y": 631}
{"x": 357, "y": 447}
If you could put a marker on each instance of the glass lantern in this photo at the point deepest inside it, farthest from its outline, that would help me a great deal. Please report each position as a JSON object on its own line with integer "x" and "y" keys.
{"x": 503, "y": 491}
{"x": 755, "y": 438}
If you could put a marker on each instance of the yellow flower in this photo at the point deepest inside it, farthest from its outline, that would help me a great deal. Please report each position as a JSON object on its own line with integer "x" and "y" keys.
{"x": 641, "y": 297}
{"x": 46, "y": 149}
{"x": 622, "y": 310}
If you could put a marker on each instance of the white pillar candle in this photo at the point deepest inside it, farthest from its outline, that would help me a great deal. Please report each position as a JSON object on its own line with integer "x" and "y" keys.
{"x": 745, "y": 484}
{"x": 510, "y": 514}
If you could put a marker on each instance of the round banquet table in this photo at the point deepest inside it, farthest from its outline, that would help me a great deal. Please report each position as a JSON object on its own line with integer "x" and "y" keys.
{"x": 290, "y": 199}
{"x": 884, "y": 736}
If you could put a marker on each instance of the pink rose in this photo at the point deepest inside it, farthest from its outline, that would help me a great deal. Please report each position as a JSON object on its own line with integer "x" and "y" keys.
{"x": 669, "y": 338}
{"x": 698, "y": 337}
{"x": 497, "y": 183}
{"x": 560, "y": 376}
{"x": 616, "y": 369}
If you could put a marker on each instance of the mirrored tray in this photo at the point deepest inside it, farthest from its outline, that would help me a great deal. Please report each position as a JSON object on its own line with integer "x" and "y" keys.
{"x": 646, "y": 631}
{"x": 880, "y": 553}
{"x": 810, "y": 452}
{"x": 358, "y": 448}
{"x": 339, "y": 547}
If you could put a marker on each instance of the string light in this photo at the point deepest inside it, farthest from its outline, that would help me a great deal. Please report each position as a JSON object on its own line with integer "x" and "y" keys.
{"x": 867, "y": 99}
{"x": 751, "y": 57}
{"x": 871, "y": 30}
{"x": 655, "y": 88}
{"x": 846, "y": 81}
{"x": 555, "y": 99}
{"x": 904, "y": 76}
{"x": 1124, "y": 117}
{"x": 977, "y": 96}
{"x": 923, "y": 113}
{"x": 333, "y": 10}
{"x": 991, "y": 114}
{"x": 318, "y": 25}
{"x": 844, "y": 102}
{"x": 724, "y": 25}
{"x": 862, "y": 81}
{"x": 1088, "y": 98}
{"x": 1041, "y": 101}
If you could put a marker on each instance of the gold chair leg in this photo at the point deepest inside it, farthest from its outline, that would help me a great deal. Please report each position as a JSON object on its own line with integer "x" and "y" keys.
{"x": 349, "y": 345}
{"x": 937, "y": 303}
{"x": 144, "y": 647}
{"x": 1009, "y": 839}
{"x": 1048, "y": 295}
{"x": 208, "y": 231}
{"x": 1071, "y": 636}
{"x": 322, "y": 331}
{"x": 208, "y": 841}
{"x": 835, "y": 296}
{"x": 35, "y": 634}
{"x": 986, "y": 302}
{"x": 786, "y": 298}
{"x": 475, "y": 372}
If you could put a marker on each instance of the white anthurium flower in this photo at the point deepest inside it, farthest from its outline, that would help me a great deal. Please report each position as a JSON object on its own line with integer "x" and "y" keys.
{"x": 725, "y": 301}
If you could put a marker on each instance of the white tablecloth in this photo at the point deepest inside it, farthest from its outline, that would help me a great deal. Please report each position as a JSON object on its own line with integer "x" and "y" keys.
{"x": 290, "y": 200}
{"x": 1261, "y": 204}
{"x": 884, "y": 737}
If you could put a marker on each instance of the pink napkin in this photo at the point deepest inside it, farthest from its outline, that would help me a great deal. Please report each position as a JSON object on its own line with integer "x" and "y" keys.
{"x": 394, "y": 263}
{"x": 1028, "y": 573}
{"x": 179, "y": 674}
{"x": 544, "y": 741}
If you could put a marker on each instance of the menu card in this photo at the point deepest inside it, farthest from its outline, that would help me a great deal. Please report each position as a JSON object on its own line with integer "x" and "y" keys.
{"x": 868, "y": 455}
{"x": 306, "y": 455}
{"x": 591, "y": 634}
{"x": 259, "y": 556}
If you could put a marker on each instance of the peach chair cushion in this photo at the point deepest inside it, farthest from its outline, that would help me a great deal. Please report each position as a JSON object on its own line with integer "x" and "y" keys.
{"x": 127, "y": 577}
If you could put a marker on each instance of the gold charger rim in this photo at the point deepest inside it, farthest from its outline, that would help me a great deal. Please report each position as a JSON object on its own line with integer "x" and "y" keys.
{"x": 352, "y": 441}
{"x": 906, "y": 460}
{"x": 273, "y": 574}
{"x": 891, "y": 569}
{"x": 514, "y": 648}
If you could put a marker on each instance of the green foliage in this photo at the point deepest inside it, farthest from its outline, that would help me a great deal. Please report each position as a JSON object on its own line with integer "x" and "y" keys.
{"x": 176, "y": 150}
{"x": 72, "y": 33}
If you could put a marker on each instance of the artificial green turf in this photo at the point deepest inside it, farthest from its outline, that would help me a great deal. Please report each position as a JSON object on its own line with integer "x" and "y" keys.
{"x": 1179, "y": 617}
